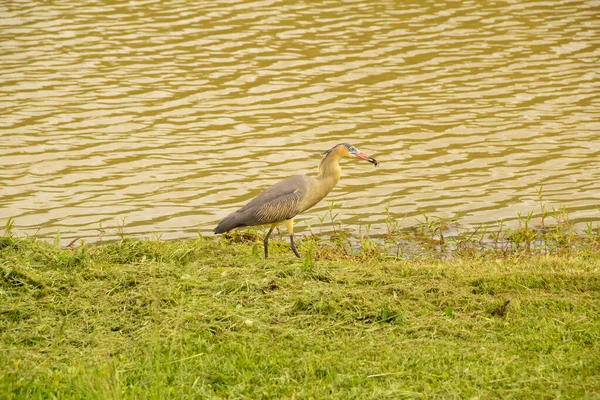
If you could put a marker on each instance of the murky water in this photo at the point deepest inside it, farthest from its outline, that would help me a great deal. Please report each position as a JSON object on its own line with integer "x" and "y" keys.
{"x": 171, "y": 114}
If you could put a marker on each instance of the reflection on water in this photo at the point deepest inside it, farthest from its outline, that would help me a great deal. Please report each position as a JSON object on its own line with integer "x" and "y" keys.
{"x": 174, "y": 113}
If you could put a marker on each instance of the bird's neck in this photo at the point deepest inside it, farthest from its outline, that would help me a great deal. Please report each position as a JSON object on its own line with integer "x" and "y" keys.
{"x": 329, "y": 171}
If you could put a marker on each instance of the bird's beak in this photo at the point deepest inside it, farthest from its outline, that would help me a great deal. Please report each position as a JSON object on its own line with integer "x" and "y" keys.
{"x": 364, "y": 156}
{"x": 361, "y": 155}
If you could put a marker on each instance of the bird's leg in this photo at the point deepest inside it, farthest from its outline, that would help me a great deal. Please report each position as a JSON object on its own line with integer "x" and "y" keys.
{"x": 294, "y": 246}
{"x": 266, "y": 241}
{"x": 290, "y": 226}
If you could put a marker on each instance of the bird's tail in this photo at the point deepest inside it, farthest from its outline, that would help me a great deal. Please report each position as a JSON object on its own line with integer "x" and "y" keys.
{"x": 230, "y": 222}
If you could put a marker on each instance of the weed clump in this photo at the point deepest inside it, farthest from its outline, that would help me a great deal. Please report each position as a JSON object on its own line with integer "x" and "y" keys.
{"x": 436, "y": 237}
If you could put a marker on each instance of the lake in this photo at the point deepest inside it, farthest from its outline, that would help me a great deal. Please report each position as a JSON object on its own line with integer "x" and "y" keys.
{"x": 165, "y": 116}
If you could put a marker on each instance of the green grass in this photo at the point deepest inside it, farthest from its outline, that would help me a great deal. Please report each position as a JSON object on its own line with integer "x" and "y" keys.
{"x": 213, "y": 319}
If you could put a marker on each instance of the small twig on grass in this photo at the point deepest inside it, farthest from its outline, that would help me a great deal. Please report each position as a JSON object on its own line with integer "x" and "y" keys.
{"x": 72, "y": 242}
{"x": 383, "y": 374}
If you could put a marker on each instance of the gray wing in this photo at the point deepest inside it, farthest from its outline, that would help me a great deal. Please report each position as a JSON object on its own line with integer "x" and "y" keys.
{"x": 294, "y": 186}
{"x": 276, "y": 203}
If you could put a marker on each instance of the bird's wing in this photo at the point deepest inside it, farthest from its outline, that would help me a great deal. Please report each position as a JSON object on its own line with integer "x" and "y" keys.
{"x": 294, "y": 185}
{"x": 278, "y": 202}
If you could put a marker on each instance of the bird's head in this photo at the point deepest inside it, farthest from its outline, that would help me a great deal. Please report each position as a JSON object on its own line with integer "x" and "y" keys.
{"x": 347, "y": 150}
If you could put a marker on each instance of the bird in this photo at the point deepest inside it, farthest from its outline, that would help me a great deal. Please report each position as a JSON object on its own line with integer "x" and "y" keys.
{"x": 286, "y": 199}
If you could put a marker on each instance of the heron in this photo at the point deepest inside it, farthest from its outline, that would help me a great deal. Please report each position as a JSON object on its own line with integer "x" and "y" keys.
{"x": 286, "y": 199}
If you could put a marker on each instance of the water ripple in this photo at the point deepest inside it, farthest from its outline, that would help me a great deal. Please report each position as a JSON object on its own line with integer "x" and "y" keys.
{"x": 172, "y": 114}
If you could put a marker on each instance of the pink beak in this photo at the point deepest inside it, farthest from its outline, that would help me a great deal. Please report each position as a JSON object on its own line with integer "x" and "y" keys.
{"x": 364, "y": 156}
{"x": 361, "y": 155}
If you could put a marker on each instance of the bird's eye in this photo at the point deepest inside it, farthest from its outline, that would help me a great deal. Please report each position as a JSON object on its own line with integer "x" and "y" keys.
{"x": 352, "y": 149}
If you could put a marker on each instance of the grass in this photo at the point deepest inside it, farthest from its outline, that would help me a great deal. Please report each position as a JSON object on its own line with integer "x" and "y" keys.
{"x": 549, "y": 233}
{"x": 200, "y": 318}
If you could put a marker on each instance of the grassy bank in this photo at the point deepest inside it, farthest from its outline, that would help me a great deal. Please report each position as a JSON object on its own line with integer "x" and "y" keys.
{"x": 211, "y": 319}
